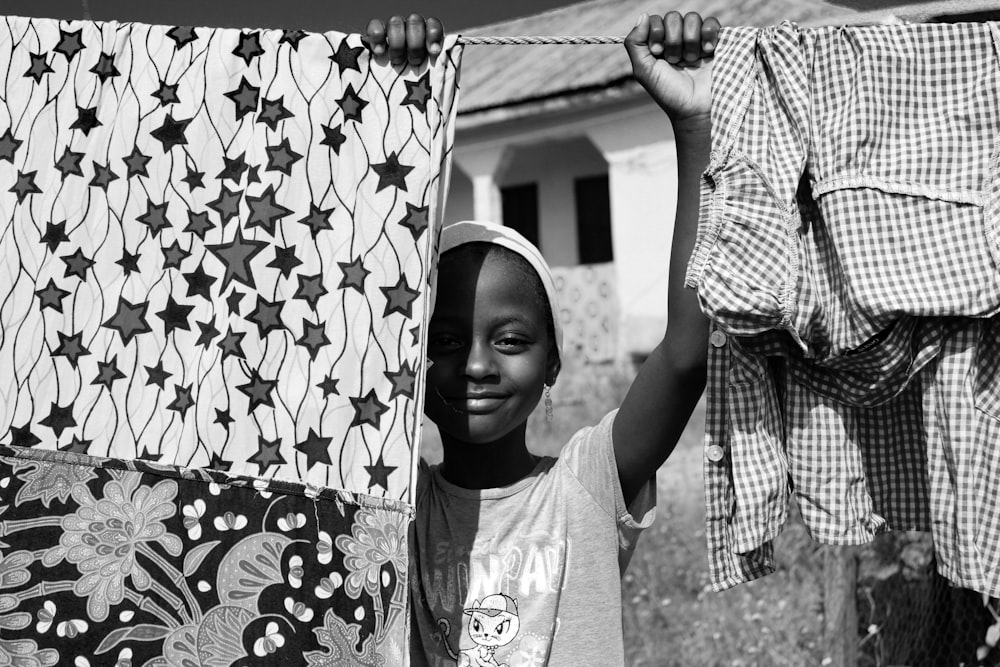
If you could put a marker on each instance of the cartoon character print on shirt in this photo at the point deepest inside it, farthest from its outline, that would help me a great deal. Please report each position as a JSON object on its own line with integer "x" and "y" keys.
{"x": 494, "y": 623}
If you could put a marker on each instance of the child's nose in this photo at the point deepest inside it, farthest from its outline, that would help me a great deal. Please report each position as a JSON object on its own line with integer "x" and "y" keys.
{"x": 481, "y": 361}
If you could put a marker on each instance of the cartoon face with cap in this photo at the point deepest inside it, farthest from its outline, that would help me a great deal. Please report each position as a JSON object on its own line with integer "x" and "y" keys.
{"x": 494, "y": 621}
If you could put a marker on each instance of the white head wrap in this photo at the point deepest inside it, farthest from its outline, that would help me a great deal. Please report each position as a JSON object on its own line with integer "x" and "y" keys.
{"x": 471, "y": 231}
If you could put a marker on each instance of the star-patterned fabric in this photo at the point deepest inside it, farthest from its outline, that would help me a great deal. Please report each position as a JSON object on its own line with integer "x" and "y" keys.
{"x": 215, "y": 248}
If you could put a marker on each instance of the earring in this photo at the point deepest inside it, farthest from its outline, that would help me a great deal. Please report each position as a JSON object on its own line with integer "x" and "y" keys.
{"x": 548, "y": 403}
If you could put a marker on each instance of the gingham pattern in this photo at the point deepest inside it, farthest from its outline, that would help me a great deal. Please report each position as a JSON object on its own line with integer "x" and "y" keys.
{"x": 894, "y": 129}
{"x": 853, "y": 385}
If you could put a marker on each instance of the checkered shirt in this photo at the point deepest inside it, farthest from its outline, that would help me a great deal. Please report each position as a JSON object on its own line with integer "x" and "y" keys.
{"x": 892, "y": 132}
{"x": 850, "y": 380}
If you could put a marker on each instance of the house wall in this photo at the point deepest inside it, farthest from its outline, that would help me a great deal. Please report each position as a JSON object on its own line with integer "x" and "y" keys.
{"x": 632, "y": 140}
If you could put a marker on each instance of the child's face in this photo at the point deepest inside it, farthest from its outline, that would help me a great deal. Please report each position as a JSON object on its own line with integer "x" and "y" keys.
{"x": 489, "y": 345}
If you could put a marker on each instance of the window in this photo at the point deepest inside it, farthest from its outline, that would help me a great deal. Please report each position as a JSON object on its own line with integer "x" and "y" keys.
{"x": 593, "y": 219}
{"x": 520, "y": 209}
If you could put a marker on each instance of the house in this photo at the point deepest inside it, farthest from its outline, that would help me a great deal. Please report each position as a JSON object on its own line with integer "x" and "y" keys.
{"x": 562, "y": 144}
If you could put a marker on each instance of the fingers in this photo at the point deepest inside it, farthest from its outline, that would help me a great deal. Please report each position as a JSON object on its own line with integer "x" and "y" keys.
{"x": 435, "y": 36}
{"x": 710, "y": 28}
{"x": 375, "y": 34}
{"x": 396, "y": 40}
{"x": 416, "y": 40}
{"x": 680, "y": 40}
{"x": 673, "y": 41}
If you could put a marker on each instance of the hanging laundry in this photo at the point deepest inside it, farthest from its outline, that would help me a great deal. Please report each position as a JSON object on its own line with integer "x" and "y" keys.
{"x": 215, "y": 252}
{"x": 852, "y": 186}
{"x": 588, "y": 311}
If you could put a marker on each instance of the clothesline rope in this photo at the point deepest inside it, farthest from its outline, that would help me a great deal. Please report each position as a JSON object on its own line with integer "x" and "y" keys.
{"x": 539, "y": 39}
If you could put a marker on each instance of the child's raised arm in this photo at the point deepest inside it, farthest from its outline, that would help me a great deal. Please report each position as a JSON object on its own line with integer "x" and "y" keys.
{"x": 671, "y": 58}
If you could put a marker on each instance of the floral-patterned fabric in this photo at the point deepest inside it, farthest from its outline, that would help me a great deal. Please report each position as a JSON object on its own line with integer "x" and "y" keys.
{"x": 215, "y": 247}
{"x": 107, "y": 562}
{"x": 588, "y": 310}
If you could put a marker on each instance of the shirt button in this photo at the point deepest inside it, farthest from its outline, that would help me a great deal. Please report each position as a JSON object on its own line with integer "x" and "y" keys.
{"x": 715, "y": 453}
{"x": 717, "y": 339}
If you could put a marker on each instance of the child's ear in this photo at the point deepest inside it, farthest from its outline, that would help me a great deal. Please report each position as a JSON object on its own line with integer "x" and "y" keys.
{"x": 552, "y": 367}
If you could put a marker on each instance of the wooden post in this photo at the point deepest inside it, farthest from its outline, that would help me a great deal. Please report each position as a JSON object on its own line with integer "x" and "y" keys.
{"x": 840, "y": 614}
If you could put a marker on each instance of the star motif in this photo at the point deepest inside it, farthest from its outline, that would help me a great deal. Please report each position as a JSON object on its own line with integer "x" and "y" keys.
{"x": 86, "y": 120}
{"x": 156, "y": 375}
{"x": 69, "y": 163}
{"x": 183, "y": 400}
{"x": 108, "y": 372}
{"x": 39, "y": 67}
{"x": 310, "y": 289}
{"x": 292, "y": 38}
{"x": 166, "y": 93}
{"x": 23, "y": 437}
{"x": 273, "y": 112}
{"x": 265, "y": 212}
{"x": 233, "y": 301}
{"x": 235, "y": 256}
{"x": 135, "y": 163}
{"x": 155, "y": 217}
{"x": 379, "y": 474}
{"x": 415, "y": 219}
{"x": 208, "y": 333}
{"x": 249, "y": 47}
{"x": 282, "y": 157}
{"x": 175, "y": 316}
{"x": 318, "y": 219}
{"x": 174, "y": 255}
{"x": 329, "y": 386}
{"x": 199, "y": 282}
{"x": 103, "y": 176}
{"x": 258, "y": 390}
{"x": 285, "y": 260}
{"x": 55, "y": 233}
{"x": 368, "y": 410}
{"x": 391, "y": 172}
{"x": 51, "y": 296}
{"x": 402, "y": 381}
{"x": 76, "y": 446}
{"x": 105, "y": 67}
{"x": 129, "y": 320}
{"x": 399, "y": 298}
{"x": 227, "y": 204}
{"x": 25, "y": 185}
{"x": 129, "y": 262}
{"x": 267, "y": 316}
{"x": 60, "y": 418}
{"x": 346, "y": 56}
{"x": 77, "y": 264}
{"x": 70, "y": 43}
{"x": 70, "y": 347}
{"x": 182, "y": 36}
{"x": 171, "y": 133}
{"x": 354, "y": 275}
{"x": 223, "y": 417}
{"x": 316, "y": 449}
{"x": 313, "y": 337}
{"x": 245, "y": 97}
{"x": 9, "y": 146}
{"x": 351, "y": 104}
{"x": 234, "y": 168}
{"x": 148, "y": 455}
{"x": 418, "y": 92}
{"x": 253, "y": 175}
{"x": 333, "y": 137}
{"x": 219, "y": 463}
{"x": 194, "y": 179}
{"x": 198, "y": 224}
{"x": 232, "y": 344}
{"x": 268, "y": 454}
{"x": 415, "y": 336}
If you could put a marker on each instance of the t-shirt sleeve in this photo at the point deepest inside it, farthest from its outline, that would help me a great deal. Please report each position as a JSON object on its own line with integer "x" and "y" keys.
{"x": 590, "y": 456}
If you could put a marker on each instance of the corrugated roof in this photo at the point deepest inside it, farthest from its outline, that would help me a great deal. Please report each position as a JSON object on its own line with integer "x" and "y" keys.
{"x": 497, "y": 76}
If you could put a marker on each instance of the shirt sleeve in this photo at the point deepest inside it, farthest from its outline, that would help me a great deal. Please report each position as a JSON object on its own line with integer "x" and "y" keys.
{"x": 590, "y": 457}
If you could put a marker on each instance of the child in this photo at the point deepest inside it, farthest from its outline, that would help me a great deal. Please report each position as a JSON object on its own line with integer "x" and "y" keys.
{"x": 517, "y": 558}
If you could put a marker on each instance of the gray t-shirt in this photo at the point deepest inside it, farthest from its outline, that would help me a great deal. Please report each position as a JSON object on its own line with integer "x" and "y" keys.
{"x": 527, "y": 574}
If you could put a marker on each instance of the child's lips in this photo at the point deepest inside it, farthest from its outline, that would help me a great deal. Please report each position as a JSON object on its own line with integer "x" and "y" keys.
{"x": 478, "y": 403}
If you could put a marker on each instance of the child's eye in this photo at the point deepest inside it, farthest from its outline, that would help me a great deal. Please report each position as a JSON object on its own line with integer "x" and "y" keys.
{"x": 443, "y": 341}
{"x": 512, "y": 343}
